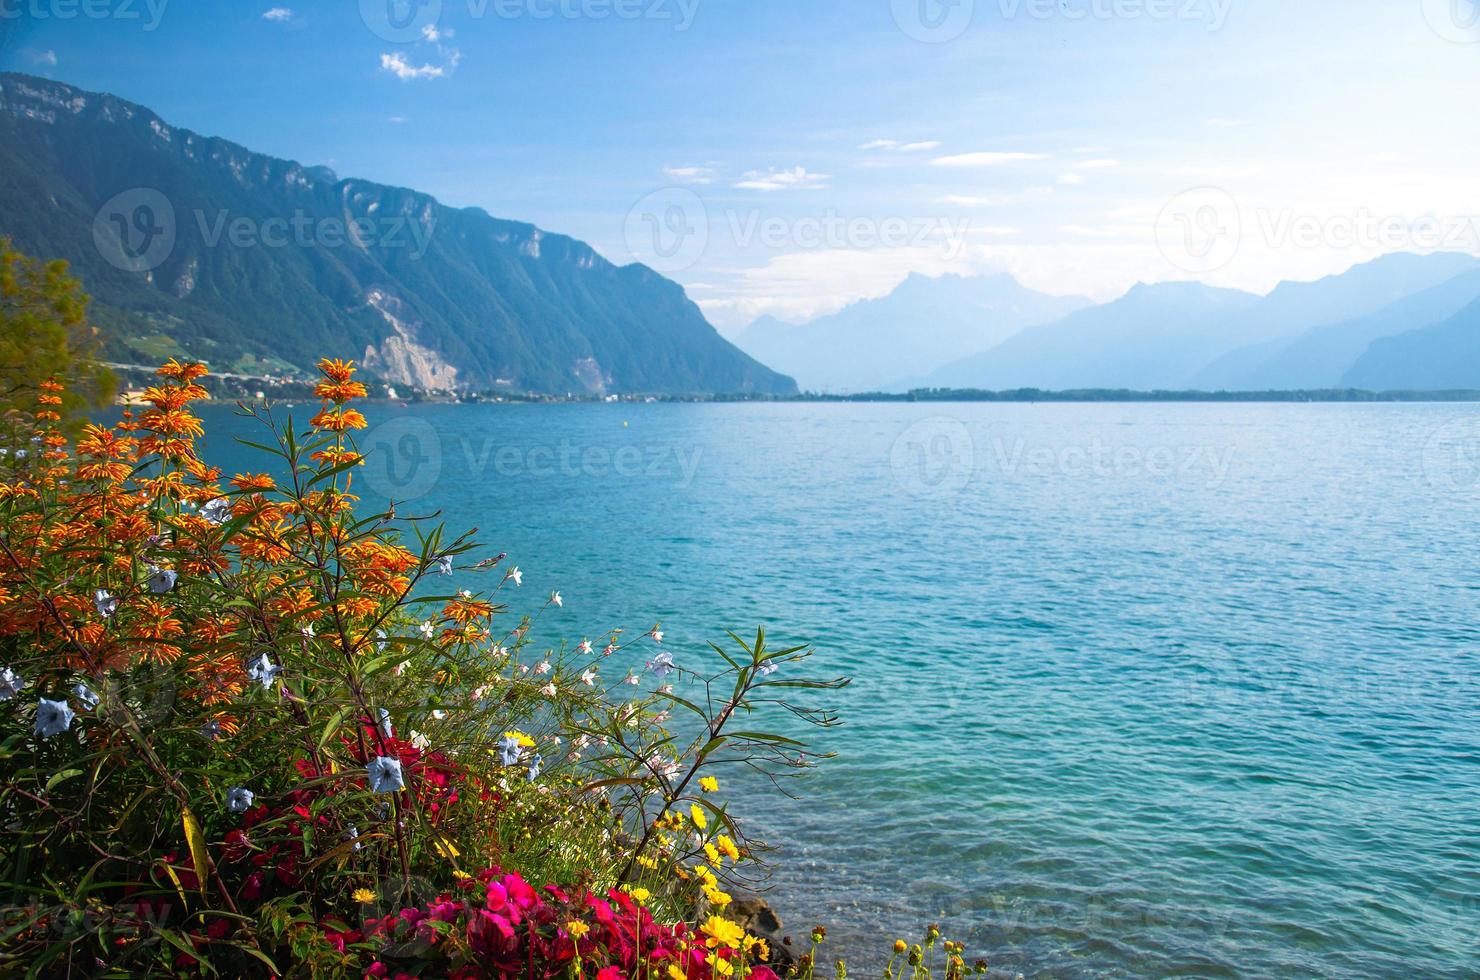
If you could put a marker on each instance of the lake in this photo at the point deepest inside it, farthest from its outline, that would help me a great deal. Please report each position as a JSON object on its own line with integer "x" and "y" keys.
{"x": 1139, "y": 689}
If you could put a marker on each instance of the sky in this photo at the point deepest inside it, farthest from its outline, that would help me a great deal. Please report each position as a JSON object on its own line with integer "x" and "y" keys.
{"x": 788, "y": 157}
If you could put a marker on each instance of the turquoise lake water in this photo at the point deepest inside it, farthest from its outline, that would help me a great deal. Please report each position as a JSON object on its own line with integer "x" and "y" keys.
{"x": 1139, "y": 690}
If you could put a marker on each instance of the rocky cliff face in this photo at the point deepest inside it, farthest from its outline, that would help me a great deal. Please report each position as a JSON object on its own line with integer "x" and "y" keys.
{"x": 196, "y": 246}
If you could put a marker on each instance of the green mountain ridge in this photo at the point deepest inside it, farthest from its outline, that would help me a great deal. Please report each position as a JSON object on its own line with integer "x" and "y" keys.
{"x": 194, "y": 245}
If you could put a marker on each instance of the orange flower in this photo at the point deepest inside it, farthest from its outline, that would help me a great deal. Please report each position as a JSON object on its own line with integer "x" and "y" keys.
{"x": 337, "y": 370}
{"x": 185, "y": 373}
{"x": 253, "y": 481}
{"x": 339, "y": 391}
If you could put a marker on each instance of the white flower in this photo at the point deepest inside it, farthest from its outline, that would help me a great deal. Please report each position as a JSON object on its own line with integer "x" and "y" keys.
{"x": 161, "y": 580}
{"x": 385, "y": 775}
{"x": 438, "y": 714}
{"x": 442, "y": 564}
{"x": 555, "y": 598}
{"x": 611, "y": 648}
{"x": 479, "y": 693}
{"x": 548, "y": 690}
{"x": 307, "y": 632}
{"x": 427, "y": 629}
{"x": 105, "y": 603}
{"x": 400, "y": 668}
{"x": 53, "y": 717}
{"x": 516, "y": 575}
{"x": 263, "y": 671}
{"x": 542, "y": 668}
{"x": 589, "y": 678}
{"x": 217, "y": 511}
{"x": 768, "y": 668}
{"x": 632, "y": 679}
{"x": 239, "y": 799}
{"x": 10, "y": 684}
{"x": 499, "y": 650}
{"x": 380, "y": 641}
{"x": 585, "y": 648}
{"x": 385, "y": 724}
{"x": 657, "y": 635}
{"x": 420, "y": 741}
{"x": 86, "y": 695}
{"x": 465, "y": 594}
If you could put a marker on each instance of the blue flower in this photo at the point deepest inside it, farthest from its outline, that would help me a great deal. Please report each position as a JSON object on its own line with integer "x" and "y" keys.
{"x": 217, "y": 511}
{"x": 536, "y": 767}
{"x": 86, "y": 695}
{"x": 385, "y": 775}
{"x": 53, "y": 717}
{"x": 385, "y": 724}
{"x": 661, "y": 665}
{"x": 442, "y": 564}
{"x": 161, "y": 580}
{"x": 105, "y": 603}
{"x": 10, "y": 684}
{"x": 353, "y": 833}
{"x": 509, "y": 750}
{"x": 263, "y": 670}
{"x": 239, "y": 799}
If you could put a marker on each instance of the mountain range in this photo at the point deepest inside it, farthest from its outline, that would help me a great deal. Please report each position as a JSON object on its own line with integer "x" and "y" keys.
{"x": 923, "y": 323}
{"x": 195, "y": 246}
{"x": 1398, "y": 321}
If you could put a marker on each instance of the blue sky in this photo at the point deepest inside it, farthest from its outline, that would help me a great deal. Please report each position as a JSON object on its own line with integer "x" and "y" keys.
{"x": 787, "y": 157}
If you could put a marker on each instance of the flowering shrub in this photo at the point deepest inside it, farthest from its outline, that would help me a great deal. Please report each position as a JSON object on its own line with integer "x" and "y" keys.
{"x": 245, "y": 733}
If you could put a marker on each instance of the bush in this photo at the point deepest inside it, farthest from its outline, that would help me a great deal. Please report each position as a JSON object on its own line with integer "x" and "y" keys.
{"x": 245, "y": 735}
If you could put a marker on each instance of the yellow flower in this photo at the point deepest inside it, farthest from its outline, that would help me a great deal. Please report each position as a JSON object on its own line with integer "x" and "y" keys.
{"x": 648, "y": 862}
{"x": 697, "y": 815}
{"x": 363, "y": 895}
{"x": 727, "y": 847}
{"x": 445, "y": 849}
{"x": 721, "y": 932}
{"x": 721, "y": 968}
{"x": 576, "y": 928}
{"x": 711, "y": 852}
{"x": 637, "y": 892}
{"x": 757, "y": 948}
{"x": 522, "y": 738}
{"x": 705, "y": 875}
{"x": 899, "y": 946}
{"x": 460, "y": 874}
{"x": 676, "y": 973}
{"x": 716, "y": 897}
{"x": 708, "y": 784}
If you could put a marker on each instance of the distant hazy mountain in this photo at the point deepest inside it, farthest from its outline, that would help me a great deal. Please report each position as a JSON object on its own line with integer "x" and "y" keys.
{"x": 1320, "y": 357}
{"x": 1444, "y": 355}
{"x": 1153, "y": 337}
{"x": 1294, "y": 308}
{"x": 923, "y": 324}
{"x": 196, "y": 246}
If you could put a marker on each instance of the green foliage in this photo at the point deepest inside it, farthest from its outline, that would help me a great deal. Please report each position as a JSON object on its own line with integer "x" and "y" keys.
{"x": 45, "y": 334}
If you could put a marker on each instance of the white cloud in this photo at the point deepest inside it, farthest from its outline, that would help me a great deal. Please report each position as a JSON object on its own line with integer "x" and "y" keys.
{"x": 397, "y": 65}
{"x": 689, "y": 175}
{"x": 397, "y": 120}
{"x": 1071, "y": 179}
{"x": 976, "y": 201}
{"x": 1219, "y": 122}
{"x": 1099, "y": 164}
{"x": 434, "y": 34}
{"x": 46, "y": 58}
{"x": 797, "y": 178}
{"x": 279, "y": 14}
{"x": 896, "y": 146}
{"x": 988, "y": 159}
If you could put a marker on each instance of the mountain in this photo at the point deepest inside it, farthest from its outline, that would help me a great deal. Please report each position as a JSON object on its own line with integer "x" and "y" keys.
{"x": 1319, "y": 357}
{"x": 923, "y": 324}
{"x": 1293, "y": 308}
{"x": 1442, "y": 356}
{"x": 194, "y": 245}
{"x": 1153, "y": 337}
